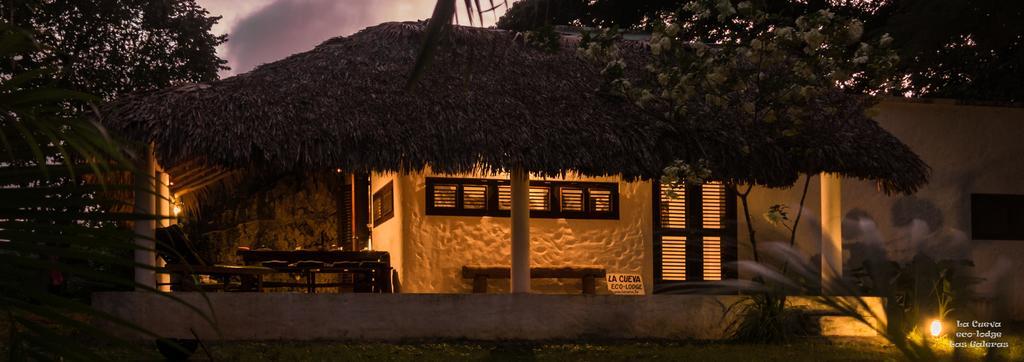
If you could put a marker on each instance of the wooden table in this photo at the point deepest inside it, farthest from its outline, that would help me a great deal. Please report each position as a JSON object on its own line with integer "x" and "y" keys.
{"x": 375, "y": 264}
{"x": 326, "y": 256}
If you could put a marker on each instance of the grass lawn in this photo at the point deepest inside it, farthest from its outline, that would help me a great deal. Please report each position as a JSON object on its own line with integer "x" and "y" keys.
{"x": 810, "y": 349}
{"x": 803, "y": 349}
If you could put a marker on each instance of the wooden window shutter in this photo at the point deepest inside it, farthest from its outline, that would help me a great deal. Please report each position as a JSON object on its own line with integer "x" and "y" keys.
{"x": 474, "y": 197}
{"x": 383, "y": 203}
{"x": 672, "y": 217}
{"x": 713, "y": 211}
{"x": 446, "y": 196}
{"x": 694, "y": 232}
{"x": 600, "y": 199}
{"x": 540, "y": 198}
{"x": 571, "y": 198}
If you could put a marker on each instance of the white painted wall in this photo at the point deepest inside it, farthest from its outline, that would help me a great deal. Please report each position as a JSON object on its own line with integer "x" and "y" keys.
{"x": 971, "y": 149}
{"x": 388, "y": 236}
{"x": 434, "y": 248}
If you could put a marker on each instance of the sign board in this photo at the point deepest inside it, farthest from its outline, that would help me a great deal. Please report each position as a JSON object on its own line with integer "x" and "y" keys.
{"x": 625, "y": 284}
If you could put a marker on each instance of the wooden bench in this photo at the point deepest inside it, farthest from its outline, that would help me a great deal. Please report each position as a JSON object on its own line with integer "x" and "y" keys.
{"x": 480, "y": 274}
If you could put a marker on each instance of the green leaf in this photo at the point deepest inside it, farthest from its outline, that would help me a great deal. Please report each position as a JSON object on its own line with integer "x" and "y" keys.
{"x": 439, "y": 22}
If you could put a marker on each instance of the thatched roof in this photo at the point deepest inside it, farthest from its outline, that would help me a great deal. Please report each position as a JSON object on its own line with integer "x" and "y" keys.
{"x": 852, "y": 145}
{"x": 487, "y": 100}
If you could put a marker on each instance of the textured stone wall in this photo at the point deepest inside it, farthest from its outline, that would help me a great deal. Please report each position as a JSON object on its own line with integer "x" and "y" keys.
{"x": 434, "y": 248}
{"x": 292, "y": 213}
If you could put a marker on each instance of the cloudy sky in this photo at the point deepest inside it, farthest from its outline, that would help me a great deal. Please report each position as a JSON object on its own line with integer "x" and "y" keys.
{"x": 261, "y": 31}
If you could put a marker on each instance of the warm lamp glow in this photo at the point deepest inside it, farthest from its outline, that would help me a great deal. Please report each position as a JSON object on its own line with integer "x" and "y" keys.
{"x": 936, "y": 328}
{"x": 176, "y": 210}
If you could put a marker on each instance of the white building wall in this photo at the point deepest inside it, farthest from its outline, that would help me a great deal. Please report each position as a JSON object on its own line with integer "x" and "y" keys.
{"x": 436, "y": 247}
{"x": 971, "y": 149}
{"x": 388, "y": 236}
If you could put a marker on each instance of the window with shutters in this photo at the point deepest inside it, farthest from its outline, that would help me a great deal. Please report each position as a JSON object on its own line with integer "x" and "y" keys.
{"x": 571, "y": 198}
{"x": 997, "y": 217}
{"x": 383, "y": 204}
{"x": 695, "y": 233}
{"x": 474, "y": 197}
{"x": 548, "y": 199}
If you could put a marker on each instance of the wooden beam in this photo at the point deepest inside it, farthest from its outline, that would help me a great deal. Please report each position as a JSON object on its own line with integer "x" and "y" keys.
{"x": 203, "y": 183}
{"x": 194, "y": 177}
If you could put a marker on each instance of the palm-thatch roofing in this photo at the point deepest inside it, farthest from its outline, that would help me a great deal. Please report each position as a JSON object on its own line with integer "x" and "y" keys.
{"x": 488, "y": 99}
{"x": 850, "y": 144}
{"x": 485, "y": 100}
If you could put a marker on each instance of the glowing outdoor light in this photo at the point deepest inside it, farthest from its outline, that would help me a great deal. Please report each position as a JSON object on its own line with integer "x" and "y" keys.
{"x": 176, "y": 209}
{"x": 936, "y": 328}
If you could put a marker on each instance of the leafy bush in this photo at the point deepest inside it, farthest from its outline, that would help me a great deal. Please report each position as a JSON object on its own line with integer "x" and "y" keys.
{"x": 764, "y": 318}
{"x": 62, "y": 182}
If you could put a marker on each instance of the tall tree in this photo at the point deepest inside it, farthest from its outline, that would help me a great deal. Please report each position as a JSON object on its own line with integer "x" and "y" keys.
{"x": 113, "y": 47}
{"x": 62, "y": 180}
{"x": 967, "y": 49}
{"x": 626, "y": 14}
{"x": 60, "y": 172}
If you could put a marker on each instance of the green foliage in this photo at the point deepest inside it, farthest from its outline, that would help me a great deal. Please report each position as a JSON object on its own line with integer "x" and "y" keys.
{"x": 912, "y": 295}
{"x": 774, "y": 76}
{"x": 114, "y": 47}
{"x": 626, "y": 14}
{"x": 440, "y": 20}
{"x": 778, "y": 215}
{"x": 968, "y": 49}
{"x": 956, "y": 49}
{"x": 777, "y": 80}
{"x": 544, "y": 38}
{"x": 764, "y": 318}
{"x": 60, "y": 179}
{"x": 527, "y": 15}
{"x": 679, "y": 173}
{"x": 921, "y": 290}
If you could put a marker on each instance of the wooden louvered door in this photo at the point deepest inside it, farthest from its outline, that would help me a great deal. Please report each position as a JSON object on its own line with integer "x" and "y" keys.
{"x": 694, "y": 234}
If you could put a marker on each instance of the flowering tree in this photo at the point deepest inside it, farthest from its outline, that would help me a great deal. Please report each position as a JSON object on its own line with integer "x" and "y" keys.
{"x": 761, "y": 81}
{"x": 754, "y": 76}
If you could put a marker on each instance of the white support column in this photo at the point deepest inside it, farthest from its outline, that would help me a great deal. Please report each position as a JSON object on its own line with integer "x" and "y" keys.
{"x": 163, "y": 208}
{"x": 831, "y": 230}
{"x": 164, "y": 199}
{"x": 520, "y": 185}
{"x": 145, "y": 203}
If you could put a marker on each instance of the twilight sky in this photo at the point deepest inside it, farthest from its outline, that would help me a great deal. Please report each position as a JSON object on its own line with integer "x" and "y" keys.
{"x": 262, "y": 31}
